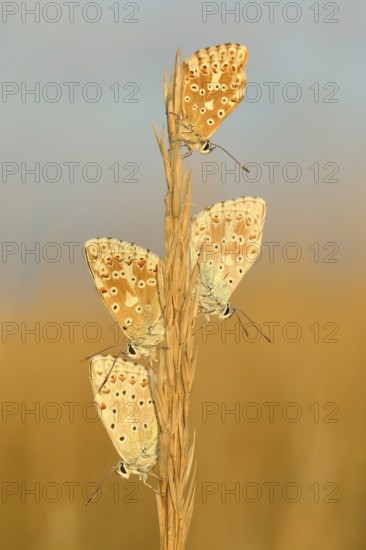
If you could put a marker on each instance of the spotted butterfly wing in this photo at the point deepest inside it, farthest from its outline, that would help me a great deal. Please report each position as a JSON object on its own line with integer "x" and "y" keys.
{"x": 125, "y": 276}
{"x": 214, "y": 83}
{"x": 227, "y": 238}
{"x": 122, "y": 393}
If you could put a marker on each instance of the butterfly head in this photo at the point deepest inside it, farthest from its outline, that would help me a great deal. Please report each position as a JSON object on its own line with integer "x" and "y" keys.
{"x": 226, "y": 312}
{"x": 206, "y": 148}
{"x": 133, "y": 351}
{"x": 122, "y": 470}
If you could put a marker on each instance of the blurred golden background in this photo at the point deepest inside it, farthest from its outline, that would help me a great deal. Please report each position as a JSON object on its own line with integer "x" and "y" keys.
{"x": 297, "y": 431}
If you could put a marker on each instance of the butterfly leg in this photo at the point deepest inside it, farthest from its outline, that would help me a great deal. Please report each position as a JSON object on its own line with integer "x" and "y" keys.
{"x": 143, "y": 478}
{"x": 200, "y": 328}
{"x": 187, "y": 154}
{"x": 172, "y": 113}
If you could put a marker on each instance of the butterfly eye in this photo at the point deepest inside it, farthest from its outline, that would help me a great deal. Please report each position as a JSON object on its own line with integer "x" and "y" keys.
{"x": 131, "y": 350}
{"x": 227, "y": 312}
{"x": 122, "y": 469}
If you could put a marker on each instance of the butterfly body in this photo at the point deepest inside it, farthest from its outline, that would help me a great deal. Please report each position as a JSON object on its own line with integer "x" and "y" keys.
{"x": 226, "y": 239}
{"x": 125, "y": 277}
{"x": 122, "y": 393}
{"x": 214, "y": 83}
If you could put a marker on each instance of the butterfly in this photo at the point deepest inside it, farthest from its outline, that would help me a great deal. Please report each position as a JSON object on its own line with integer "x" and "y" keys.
{"x": 226, "y": 239}
{"x": 122, "y": 393}
{"x": 125, "y": 277}
{"x": 214, "y": 83}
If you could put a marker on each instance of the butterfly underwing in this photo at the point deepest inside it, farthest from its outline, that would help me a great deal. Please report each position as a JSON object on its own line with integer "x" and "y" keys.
{"x": 214, "y": 84}
{"x": 122, "y": 393}
{"x": 125, "y": 277}
{"x": 226, "y": 238}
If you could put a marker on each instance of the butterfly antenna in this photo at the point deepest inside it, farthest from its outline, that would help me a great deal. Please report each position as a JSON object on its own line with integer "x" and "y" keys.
{"x": 98, "y": 353}
{"x": 90, "y": 500}
{"x": 254, "y": 324}
{"x": 111, "y": 369}
{"x": 230, "y": 155}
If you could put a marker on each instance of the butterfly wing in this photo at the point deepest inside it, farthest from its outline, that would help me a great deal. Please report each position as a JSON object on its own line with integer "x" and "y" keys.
{"x": 228, "y": 236}
{"x": 214, "y": 83}
{"x": 125, "y": 276}
{"x": 122, "y": 393}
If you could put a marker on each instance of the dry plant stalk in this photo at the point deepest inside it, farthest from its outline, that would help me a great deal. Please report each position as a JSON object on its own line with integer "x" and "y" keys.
{"x": 173, "y": 378}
